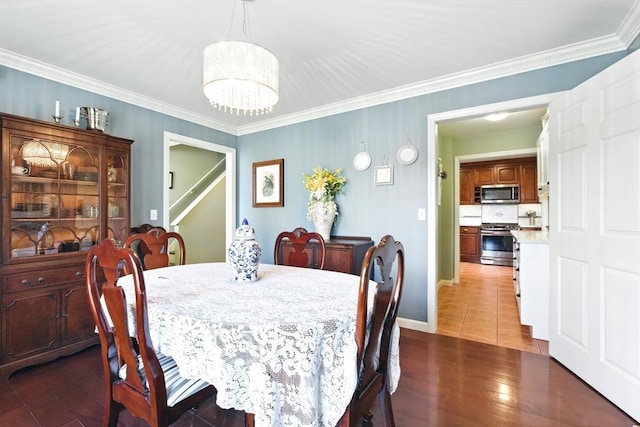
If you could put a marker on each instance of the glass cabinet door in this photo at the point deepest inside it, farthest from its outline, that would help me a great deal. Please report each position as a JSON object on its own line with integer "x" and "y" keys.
{"x": 55, "y": 198}
{"x": 117, "y": 197}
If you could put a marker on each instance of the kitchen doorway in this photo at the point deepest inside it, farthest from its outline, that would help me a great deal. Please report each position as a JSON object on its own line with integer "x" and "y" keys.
{"x": 434, "y": 255}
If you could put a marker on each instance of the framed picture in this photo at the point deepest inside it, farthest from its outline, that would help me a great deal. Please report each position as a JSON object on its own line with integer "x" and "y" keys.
{"x": 384, "y": 175}
{"x": 268, "y": 184}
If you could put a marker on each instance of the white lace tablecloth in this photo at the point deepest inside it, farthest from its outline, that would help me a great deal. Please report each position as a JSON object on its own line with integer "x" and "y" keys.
{"x": 282, "y": 347}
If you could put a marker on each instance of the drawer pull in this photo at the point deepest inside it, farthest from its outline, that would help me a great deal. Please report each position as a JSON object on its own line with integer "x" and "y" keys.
{"x": 79, "y": 274}
{"x": 39, "y": 281}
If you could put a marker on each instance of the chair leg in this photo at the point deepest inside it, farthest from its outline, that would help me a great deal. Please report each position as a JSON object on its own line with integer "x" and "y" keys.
{"x": 386, "y": 410}
{"x": 111, "y": 413}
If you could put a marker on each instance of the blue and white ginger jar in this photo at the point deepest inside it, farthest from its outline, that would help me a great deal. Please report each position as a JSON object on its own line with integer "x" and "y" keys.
{"x": 244, "y": 254}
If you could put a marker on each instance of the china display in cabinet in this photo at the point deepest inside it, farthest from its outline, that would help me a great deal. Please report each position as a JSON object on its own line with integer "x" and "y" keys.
{"x": 63, "y": 190}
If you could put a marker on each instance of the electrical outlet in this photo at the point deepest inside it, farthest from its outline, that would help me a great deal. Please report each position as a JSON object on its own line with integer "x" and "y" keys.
{"x": 153, "y": 214}
{"x": 422, "y": 214}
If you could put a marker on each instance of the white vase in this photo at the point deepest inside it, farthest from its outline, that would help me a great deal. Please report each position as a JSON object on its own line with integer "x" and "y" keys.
{"x": 324, "y": 215}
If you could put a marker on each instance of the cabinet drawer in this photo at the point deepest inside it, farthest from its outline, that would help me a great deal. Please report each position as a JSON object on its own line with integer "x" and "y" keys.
{"x": 469, "y": 229}
{"x": 30, "y": 279}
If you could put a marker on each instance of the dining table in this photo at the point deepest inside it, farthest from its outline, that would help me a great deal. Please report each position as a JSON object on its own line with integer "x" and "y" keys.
{"x": 281, "y": 347}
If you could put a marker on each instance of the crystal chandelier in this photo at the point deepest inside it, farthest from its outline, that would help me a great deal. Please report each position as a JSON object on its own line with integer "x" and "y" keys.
{"x": 240, "y": 76}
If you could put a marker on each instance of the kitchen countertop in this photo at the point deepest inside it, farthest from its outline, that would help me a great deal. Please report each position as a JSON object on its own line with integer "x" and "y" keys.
{"x": 531, "y": 236}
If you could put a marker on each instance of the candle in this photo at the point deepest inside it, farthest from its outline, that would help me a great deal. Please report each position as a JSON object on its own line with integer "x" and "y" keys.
{"x": 77, "y": 114}
{"x": 57, "y": 108}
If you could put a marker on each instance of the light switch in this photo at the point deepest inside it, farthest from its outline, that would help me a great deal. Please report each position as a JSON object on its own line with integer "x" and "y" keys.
{"x": 422, "y": 214}
{"x": 153, "y": 215}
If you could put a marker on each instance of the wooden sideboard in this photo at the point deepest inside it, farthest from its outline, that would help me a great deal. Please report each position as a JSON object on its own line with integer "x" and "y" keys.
{"x": 343, "y": 253}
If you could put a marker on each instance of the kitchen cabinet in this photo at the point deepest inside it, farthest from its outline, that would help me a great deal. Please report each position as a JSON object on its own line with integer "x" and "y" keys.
{"x": 506, "y": 173}
{"x": 522, "y": 171}
{"x": 484, "y": 175}
{"x": 531, "y": 280}
{"x": 342, "y": 253}
{"x": 64, "y": 189}
{"x": 528, "y": 182}
{"x": 470, "y": 244}
{"x": 467, "y": 186}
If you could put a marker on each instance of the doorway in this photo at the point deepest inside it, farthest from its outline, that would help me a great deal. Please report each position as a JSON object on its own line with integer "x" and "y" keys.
{"x": 171, "y": 139}
{"x": 432, "y": 192}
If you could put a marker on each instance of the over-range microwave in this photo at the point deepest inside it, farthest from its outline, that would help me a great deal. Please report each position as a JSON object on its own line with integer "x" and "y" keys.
{"x": 501, "y": 193}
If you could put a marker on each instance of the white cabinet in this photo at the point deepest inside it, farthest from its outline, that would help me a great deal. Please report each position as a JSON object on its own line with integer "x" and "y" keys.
{"x": 543, "y": 157}
{"x": 531, "y": 280}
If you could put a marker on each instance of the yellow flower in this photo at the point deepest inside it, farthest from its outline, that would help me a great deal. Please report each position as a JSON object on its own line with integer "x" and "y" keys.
{"x": 323, "y": 184}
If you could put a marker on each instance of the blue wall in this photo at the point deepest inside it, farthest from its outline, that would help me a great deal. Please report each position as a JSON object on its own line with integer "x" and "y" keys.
{"x": 332, "y": 142}
{"x": 26, "y": 95}
{"x": 366, "y": 209}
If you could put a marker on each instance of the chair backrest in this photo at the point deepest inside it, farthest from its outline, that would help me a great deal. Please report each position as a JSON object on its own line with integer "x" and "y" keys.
{"x": 154, "y": 248}
{"x": 373, "y": 336}
{"x": 143, "y": 228}
{"x": 143, "y": 391}
{"x": 134, "y": 373}
{"x": 291, "y": 249}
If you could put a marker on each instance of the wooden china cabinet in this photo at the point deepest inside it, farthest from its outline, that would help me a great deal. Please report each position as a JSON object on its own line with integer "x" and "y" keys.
{"x": 63, "y": 190}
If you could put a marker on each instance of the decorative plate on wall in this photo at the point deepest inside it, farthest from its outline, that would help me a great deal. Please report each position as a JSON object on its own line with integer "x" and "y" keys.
{"x": 362, "y": 160}
{"x": 407, "y": 154}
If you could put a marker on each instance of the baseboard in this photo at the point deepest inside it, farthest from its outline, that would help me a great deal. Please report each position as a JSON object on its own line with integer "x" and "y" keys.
{"x": 414, "y": 325}
{"x": 445, "y": 283}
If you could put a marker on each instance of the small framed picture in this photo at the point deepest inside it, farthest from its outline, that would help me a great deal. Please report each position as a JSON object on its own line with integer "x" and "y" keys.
{"x": 268, "y": 184}
{"x": 384, "y": 175}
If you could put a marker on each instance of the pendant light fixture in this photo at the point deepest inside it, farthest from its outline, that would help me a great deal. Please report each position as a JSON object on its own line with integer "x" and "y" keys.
{"x": 240, "y": 76}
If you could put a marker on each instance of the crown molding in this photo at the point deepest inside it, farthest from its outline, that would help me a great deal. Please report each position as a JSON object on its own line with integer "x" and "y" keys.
{"x": 628, "y": 31}
{"x": 630, "y": 27}
{"x": 61, "y": 75}
{"x": 563, "y": 55}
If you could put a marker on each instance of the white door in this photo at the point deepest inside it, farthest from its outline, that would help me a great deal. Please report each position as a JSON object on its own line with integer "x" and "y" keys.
{"x": 594, "y": 200}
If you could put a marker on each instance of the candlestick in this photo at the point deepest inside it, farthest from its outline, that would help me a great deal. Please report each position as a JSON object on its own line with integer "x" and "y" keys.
{"x": 77, "y": 120}
{"x": 57, "y": 109}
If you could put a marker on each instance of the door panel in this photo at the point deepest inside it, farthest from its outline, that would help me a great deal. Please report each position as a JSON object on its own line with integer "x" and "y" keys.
{"x": 594, "y": 196}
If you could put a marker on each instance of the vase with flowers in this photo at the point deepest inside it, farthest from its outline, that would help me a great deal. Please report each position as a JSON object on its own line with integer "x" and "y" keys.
{"x": 323, "y": 185}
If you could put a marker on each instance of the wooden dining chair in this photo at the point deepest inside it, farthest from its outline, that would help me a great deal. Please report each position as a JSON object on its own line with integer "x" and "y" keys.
{"x": 143, "y": 228}
{"x": 154, "y": 248}
{"x": 291, "y": 249}
{"x": 137, "y": 378}
{"x": 373, "y": 335}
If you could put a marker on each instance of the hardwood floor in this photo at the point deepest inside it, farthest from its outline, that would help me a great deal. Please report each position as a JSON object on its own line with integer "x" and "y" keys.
{"x": 445, "y": 382}
{"x": 482, "y": 307}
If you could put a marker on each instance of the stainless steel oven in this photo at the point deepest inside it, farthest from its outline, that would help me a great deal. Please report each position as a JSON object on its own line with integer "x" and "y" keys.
{"x": 496, "y": 244}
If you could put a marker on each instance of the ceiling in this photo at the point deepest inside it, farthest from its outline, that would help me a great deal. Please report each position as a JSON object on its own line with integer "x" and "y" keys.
{"x": 464, "y": 128}
{"x": 335, "y": 55}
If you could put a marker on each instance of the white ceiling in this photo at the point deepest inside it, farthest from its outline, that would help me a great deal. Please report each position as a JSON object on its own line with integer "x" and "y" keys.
{"x": 335, "y": 55}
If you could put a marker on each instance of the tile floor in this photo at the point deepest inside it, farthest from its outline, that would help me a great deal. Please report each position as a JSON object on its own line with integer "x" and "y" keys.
{"x": 482, "y": 307}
